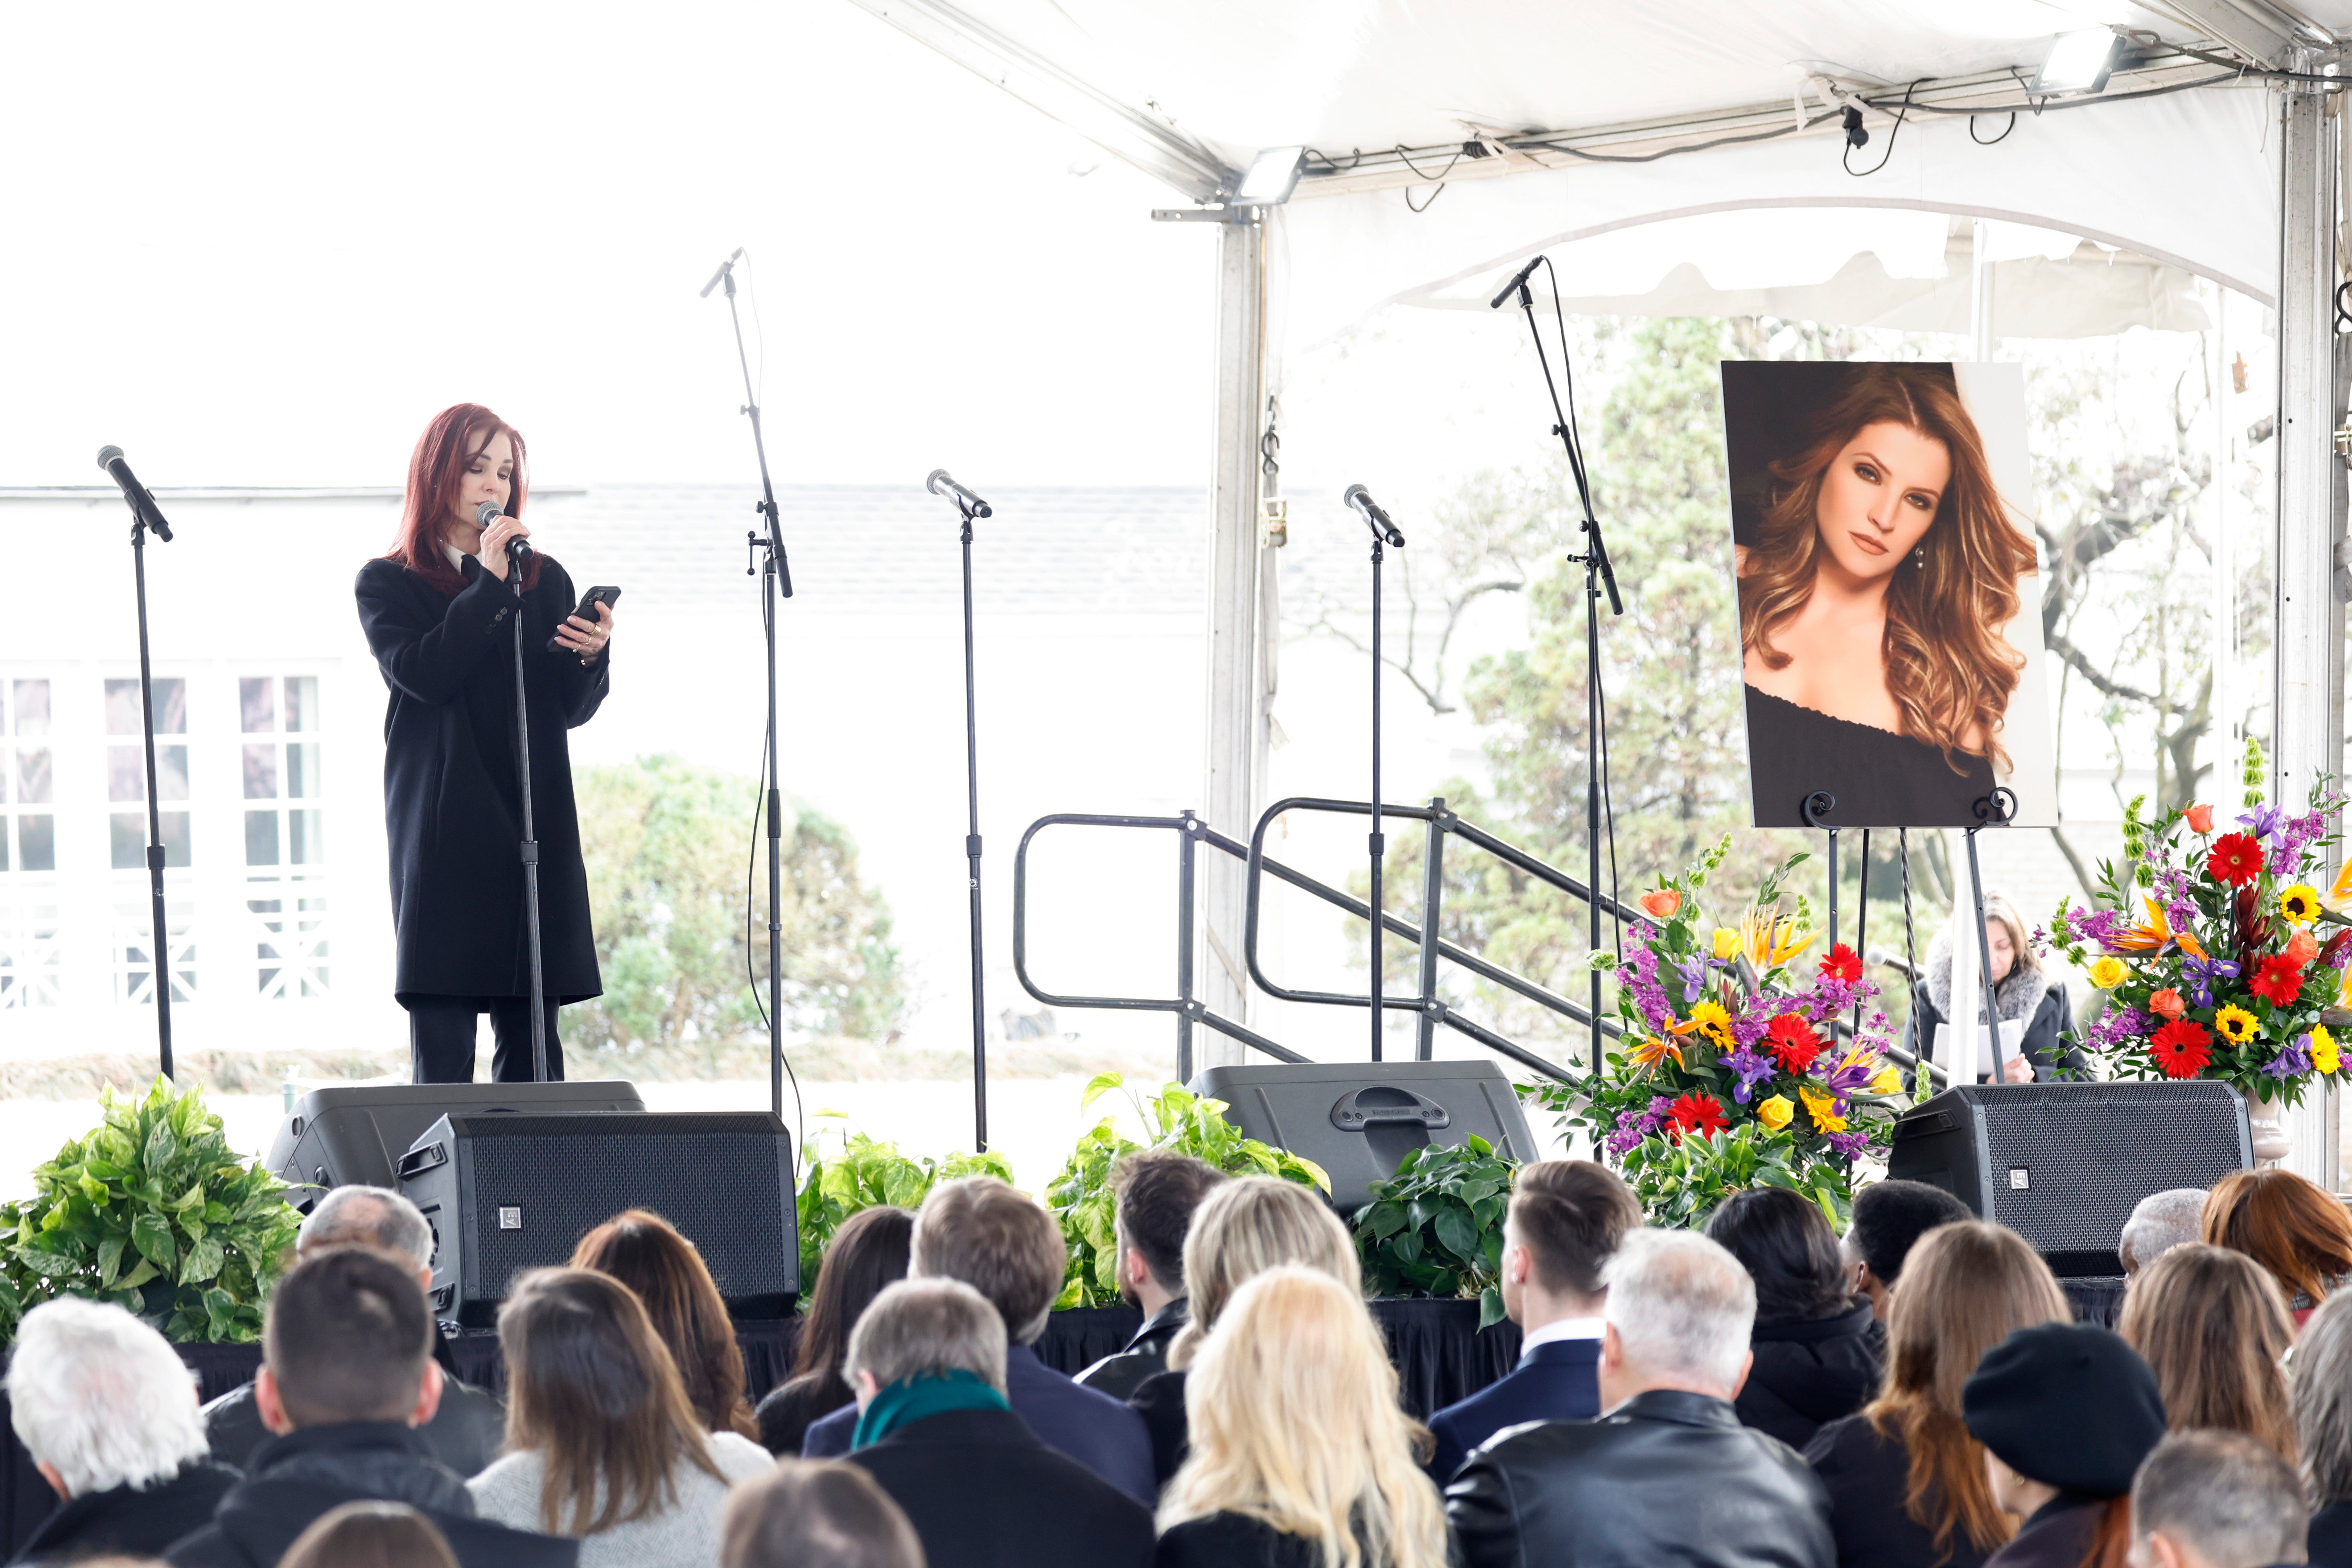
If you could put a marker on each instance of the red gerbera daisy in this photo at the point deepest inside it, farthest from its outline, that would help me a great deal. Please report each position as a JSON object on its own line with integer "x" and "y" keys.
{"x": 2181, "y": 1048}
{"x": 2280, "y": 981}
{"x": 2237, "y": 859}
{"x": 1793, "y": 1042}
{"x": 1842, "y": 963}
{"x": 1694, "y": 1112}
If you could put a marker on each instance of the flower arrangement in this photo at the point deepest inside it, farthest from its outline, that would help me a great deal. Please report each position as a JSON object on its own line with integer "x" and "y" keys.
{"x": 2207, "y": 944}
{"x": 1730, "y": 1073}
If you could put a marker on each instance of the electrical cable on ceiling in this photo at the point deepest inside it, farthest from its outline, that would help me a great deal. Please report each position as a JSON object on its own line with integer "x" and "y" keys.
{"x": 1845, "y": 159}
{"x": 1996, "y": 141}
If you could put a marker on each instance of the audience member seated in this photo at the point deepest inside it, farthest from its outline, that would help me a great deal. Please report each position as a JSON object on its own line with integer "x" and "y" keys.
{"x": 934, "y": 1427}
{"x": 370, "y": 1535}
{"x": 468, "y": 1425}
{"x": 1155, "y": 1192}
{"x": 1889, "y": 1218}
{"x": 603, "y": 1443}
{"x": 644, "y": 1252}
{"x": 2290, "y": 1226}
{"x": 108, "y": 1412}
{"x": 1565, "y": 1220}
{"x": 2215, "y": 1500}
{"x": 1818, "y": 1344}
{"x": 1245, "y": 1227}
{"x": 2158, "y": 1223}
{"x": 2213, "y": 1325}
{"x": 1300, "y": 1447}
{"x": 2065, "y": 1412}
{"x": 347, "y": 1376}
{"x": 1004, "y": 1245}
{"x": 1668, "y": 1475}
{"x": 1907, "y": 1481}
{"x": 867, "y": 1252}
{"x": 816, "y": 1513}
{"x": 2320, "y": 1385}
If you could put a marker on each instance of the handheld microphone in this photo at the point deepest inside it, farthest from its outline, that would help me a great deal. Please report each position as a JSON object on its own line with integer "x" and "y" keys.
{"x": 719, "y": 277}
{"x": 938, "y": 484}
{"x": 1516, "y": 284}
{"x": 111, "y": 459}
{"x": 1374, "y": 518}
{"x": 517, "y": 550}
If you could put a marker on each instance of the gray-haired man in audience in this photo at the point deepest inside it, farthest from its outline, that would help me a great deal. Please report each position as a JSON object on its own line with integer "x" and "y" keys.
{"x": 2158, "y": 1223}
{"x": 468, "y": 1430}
{"x": 2215, "y": 1500}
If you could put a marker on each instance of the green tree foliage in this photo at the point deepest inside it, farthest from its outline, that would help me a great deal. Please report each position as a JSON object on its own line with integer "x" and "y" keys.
{"x": 669, "y": 859}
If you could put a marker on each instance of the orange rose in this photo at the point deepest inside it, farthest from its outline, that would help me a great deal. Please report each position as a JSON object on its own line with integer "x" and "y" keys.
{"x": 2303, "y": 947}
{"x": 1662, "y": 902}
{"x": 2201, "y": 819}
{"x": 2168, "y": 1003}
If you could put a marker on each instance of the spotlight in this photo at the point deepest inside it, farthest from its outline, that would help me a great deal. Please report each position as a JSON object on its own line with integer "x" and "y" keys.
{"x": 1271, "y": 178}
{"x": 2077, "y": 62}
{"x": 1854, "y": 134}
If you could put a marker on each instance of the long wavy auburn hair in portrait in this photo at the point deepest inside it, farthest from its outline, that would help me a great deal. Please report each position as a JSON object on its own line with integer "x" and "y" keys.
{"x": 1965, "y": 1287}
{"x": 1948, "y": 668}
{"x": 1292, "y": 1408}
{"x": 436, "y": 469}
{"x": 2214, "y": 1325}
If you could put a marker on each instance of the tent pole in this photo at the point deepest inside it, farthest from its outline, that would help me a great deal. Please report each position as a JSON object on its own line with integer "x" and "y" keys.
{"x": 1230, "y": 798}
{"x": 2307, "y": 739}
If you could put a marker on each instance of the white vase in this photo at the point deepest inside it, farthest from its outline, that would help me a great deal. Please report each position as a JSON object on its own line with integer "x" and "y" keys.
{"x": 2271, "y": 1142}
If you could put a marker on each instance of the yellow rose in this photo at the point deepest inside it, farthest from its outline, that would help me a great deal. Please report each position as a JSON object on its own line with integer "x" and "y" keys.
{"x": 1776, "y": 1111}
{"x": 1822, "y": 1108}
{"x": 1726, "y": 943}
{"x": 2324, "y": 1055}
{"x": 2107, "y": 973}
{"x": 1888, "y": 1082}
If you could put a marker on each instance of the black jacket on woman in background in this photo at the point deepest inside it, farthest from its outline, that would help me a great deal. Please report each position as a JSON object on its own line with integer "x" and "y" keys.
{"x": 2330, "y": 1538}
{"x": 452, "y": 803}
{"x": 1235, "y": 1540}
{"x": 1866, "y": 1473}
{"x": 1811, "y": 1372}
{"x": 2060, "y": 1534}
{"x": 2023, "y": 993}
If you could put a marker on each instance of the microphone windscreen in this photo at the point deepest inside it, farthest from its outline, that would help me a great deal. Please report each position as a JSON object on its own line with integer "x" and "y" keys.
{"x": 485, "y": 514}
{"x": 109, "y": 455}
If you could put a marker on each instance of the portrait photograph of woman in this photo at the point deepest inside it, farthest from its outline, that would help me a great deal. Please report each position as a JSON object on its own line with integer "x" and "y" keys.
{"x": 1889, "y": 608}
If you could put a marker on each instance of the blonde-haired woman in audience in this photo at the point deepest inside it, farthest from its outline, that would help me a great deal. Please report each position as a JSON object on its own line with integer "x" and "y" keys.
{"x": 1301, "y": 1457}
{"x": 1246, "y": 1227}
{"x": 2214, "y": 1324}
{"x": 1906, "y": 1482}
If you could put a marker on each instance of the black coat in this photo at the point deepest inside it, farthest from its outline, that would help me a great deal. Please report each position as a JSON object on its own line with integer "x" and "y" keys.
{"x": 121, "y": 1522}
{"x": 2331, "y": 1536}
{"x": 1807, "y": 1374}
{"x": 2059, "y": 1535}
{"x": 1866, "y": 1473}
{"x": 1160, "y": 1400}
{"x": 1236, "y": 1541}
{"x": 452, "y": 804}
{"x": 793, "y": 1406}
{"x": 466, "y": 1432}
{"x": 983, "y": 1492}
{"x": 1146, "y": 1356}
{"x": 1666, "y": 1477}
{"x": 2023, "y": 993}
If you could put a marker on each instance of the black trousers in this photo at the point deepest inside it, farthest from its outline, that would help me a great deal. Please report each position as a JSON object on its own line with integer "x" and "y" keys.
{"x": 442, "y": 1029}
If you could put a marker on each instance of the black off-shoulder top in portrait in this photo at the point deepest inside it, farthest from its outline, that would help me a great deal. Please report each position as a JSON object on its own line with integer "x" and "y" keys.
{"x": 1881, "y": 779}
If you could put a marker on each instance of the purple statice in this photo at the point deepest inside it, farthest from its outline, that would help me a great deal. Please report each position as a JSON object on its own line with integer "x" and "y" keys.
{"x": 2294, "y": 836}
{"x": 1639, "y": 976}
{"x": 2293, "y": 1060}
{"x": 2181, "y": 913}
{"x": 2113, "y": 1027}
{"x": 1752, "y": 1070}
{"x": 1749, "y": 1028}
{"x": 1622, "y": 1142}
{"x": 2096, "y": 925}
{"x": 1850, "y": 1146}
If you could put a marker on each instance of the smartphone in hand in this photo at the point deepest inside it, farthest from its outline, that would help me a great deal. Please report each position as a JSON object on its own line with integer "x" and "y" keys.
{"x": 587, "y": 611}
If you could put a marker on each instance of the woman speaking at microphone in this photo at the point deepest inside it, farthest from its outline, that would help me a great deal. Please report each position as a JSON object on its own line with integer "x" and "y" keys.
{"x": 439, "y": 612}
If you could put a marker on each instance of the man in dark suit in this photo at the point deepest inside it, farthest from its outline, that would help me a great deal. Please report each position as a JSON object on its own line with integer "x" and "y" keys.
{"x": 1668, "y": 1475}
{"x": 1566, "y": 1218}
{"x": 934, "y": 1427}
{"x": 1004, "y": 1245}
{"x": 1156, "y": 1191}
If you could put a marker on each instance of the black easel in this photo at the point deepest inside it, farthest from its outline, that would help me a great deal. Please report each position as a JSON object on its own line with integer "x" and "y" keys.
{"x": 1598, "y": 574}
{"x": 1811, "y": 809}
{"x": 529, "y": 835}
{"x": 163, "y": 972}
{"x": 968, "y": 507}
{"x": 1994, "y": 810}
{"x": 775, "y": 583}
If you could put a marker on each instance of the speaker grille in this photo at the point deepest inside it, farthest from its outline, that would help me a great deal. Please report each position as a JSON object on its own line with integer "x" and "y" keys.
{"x": 716, "y": 1176}
{"x": 2091, "y": 1151}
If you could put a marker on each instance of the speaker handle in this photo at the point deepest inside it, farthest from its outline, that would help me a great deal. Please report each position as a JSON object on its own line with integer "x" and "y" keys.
{"x": 1349, "y": 1116}
{"x": 416, "y": 1162}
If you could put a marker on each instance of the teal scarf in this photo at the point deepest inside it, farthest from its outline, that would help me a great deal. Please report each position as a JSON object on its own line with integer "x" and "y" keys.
{"x": 929, "y": 1395}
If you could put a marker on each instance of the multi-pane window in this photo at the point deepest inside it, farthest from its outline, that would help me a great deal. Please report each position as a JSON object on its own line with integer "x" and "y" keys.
{"x": 126, "y": 771}
{"x": 29, "y": 967}
{"x": 285, "y": 833}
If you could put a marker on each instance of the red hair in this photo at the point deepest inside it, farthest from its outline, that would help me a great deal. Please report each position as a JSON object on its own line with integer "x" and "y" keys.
{"x": 456, "y": 435}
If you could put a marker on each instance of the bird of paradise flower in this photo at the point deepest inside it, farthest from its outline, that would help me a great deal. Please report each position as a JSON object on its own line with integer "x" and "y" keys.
{"x": 2154, "y": 935}
{"x": 1770, "y": 938}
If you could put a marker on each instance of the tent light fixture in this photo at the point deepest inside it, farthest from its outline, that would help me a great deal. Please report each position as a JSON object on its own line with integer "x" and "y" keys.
{"x": 1855, "y": 135}
{"x": 1273, "y": 175}
{"x": 2077, "y": 62}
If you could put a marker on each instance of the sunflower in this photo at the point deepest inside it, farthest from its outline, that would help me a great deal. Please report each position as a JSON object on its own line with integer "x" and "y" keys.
{"x": 2236, "y": 1024}
{"x": 2300, "y": 904}
{"x": 1712, "y": 1021}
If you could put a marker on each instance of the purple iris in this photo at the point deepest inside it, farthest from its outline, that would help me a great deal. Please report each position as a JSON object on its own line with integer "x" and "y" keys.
{"x": 2293, "y": 1060}
{"x": 1693, "y": 973}
{"x": 2262, "y": 822}
{"x": 2203, "y": 972}
{"x": 1850, "y": 1146}
{"x": 1752, "y": 1070}
{"x": 1852, "y": 1073}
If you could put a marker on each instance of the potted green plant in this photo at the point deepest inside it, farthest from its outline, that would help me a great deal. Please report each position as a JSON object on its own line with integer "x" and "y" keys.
{"x": 865, "y": 1173}
{"x": 1435, "y": 1226}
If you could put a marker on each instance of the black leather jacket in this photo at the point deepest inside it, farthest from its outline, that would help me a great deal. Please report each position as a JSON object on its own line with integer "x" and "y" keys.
{"x": 1667, "y": 1477}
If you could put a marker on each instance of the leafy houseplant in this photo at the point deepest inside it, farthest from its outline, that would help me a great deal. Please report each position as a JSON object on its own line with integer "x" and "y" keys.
{"x": 1435, "y": 1227}
{"x": 865, "y": 1174}
{"x": 1177, "y": 1119}
{"x": 154, "y": 1212}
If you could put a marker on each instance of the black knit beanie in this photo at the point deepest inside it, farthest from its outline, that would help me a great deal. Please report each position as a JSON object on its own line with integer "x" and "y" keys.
{"x": 2070, "y": 1405}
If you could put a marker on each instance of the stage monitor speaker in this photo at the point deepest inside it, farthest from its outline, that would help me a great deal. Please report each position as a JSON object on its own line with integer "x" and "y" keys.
{"x": 509, "y": 1192}
{"x": 1358, "y": 1120}
{"x": 355, "y": 1134}
{"x": 2062, "y": 1165}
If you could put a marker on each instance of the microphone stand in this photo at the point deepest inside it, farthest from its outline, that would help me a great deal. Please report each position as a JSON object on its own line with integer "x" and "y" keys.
{"x": 1375, "y": 844}
{"x": 529, "y": 835}
{"x": 972, "y": 852}
{"x": 162, "y": 978}
{"x": 775, "y": 583}
{"x": 1598, "y": 574}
